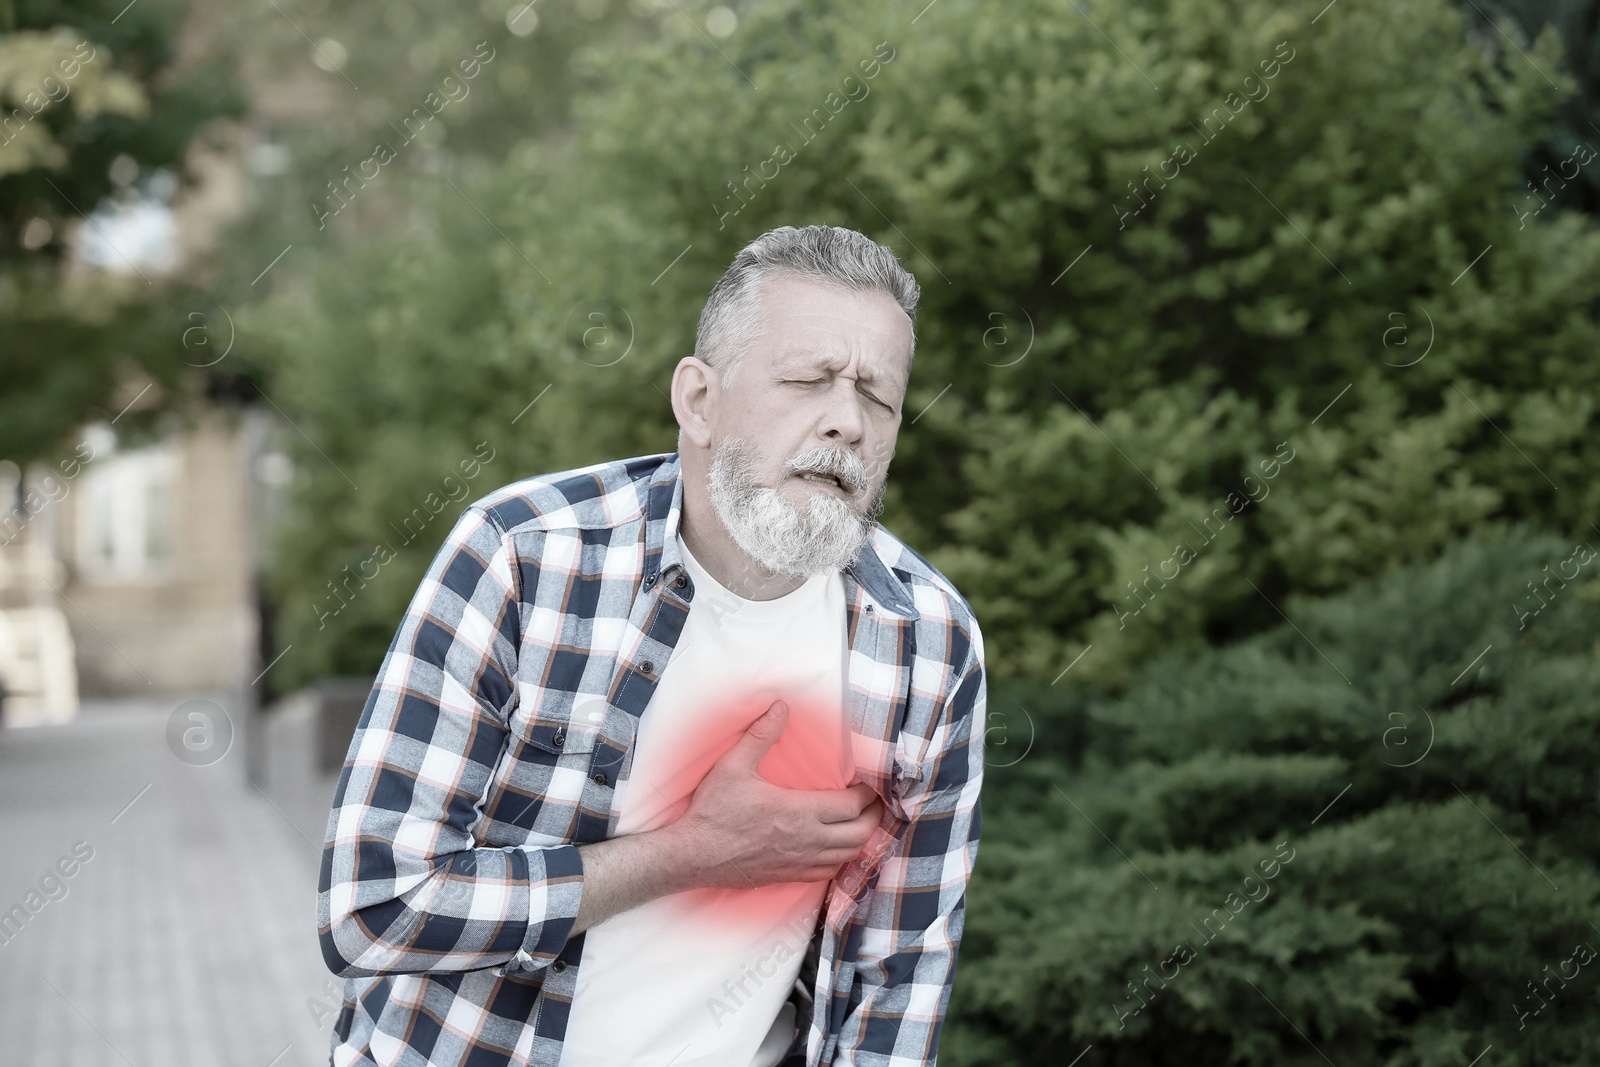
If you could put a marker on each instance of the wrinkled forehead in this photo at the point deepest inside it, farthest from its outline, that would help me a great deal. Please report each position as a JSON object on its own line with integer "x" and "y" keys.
{"x": 810, "y": 326}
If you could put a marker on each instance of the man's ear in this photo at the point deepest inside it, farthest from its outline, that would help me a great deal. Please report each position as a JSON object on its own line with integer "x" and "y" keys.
{"x": 695, "y": 390}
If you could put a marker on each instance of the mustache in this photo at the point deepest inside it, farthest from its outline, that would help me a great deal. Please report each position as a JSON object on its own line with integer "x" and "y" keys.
{"x": 832, "y": 462}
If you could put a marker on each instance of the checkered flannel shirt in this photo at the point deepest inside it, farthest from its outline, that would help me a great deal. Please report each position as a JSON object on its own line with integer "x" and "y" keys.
{"x": 490, "y": 748}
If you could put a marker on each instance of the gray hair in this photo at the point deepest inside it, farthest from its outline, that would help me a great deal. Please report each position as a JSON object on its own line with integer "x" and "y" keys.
{"x": 819, "y": 253}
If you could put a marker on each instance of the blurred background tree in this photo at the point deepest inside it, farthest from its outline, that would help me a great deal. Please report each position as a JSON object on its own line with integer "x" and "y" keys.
{"x": 1578, "y": 121}
{"x": 1336, "y": 273}
{"x": 98, "y": 102}
{"x": 1318, "y": 349}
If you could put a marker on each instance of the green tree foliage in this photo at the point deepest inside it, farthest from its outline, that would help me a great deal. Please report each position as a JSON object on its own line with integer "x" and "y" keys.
{"x": 82, "y": 85}
{"x": 435, "y": 83}
{"x": 1553, "y": 169}
{"x": 362, "y": 207}
{"x": 1252, "y": 285}
{"x": 1315, "y": 354}
{"x": 1370, "y": 831}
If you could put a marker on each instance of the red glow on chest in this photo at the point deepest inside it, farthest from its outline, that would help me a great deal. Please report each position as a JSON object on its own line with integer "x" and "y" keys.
{"x": 813, "y": 752}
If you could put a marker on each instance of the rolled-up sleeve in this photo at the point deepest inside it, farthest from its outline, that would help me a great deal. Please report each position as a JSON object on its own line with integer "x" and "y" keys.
{"x": 915, "y": 914}
{"x": 403, "y": 887}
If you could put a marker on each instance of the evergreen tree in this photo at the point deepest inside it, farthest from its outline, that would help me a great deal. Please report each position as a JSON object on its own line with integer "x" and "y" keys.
{"x": 1256, "y": 287}
{"x": 1552, "y": 167}
{"x": 1367, "y": 837}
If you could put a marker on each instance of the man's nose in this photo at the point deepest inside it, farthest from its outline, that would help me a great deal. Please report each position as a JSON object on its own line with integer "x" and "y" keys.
{"x": 844, "y": 422}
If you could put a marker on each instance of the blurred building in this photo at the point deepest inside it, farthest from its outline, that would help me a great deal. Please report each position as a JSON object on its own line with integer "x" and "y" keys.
{"x": 132, "y": 570}
{"x": 38, "y": 675}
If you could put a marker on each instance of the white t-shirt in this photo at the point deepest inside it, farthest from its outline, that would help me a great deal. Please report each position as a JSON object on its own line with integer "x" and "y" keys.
{"x": 700, "y": 979}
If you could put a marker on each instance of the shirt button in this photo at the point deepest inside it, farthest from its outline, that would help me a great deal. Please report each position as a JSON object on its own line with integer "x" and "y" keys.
{"x": 651, "y": 580}
{"x": 558, "y": 966}
{"x": 647, "y": 667}
{"x": 600, "y": 778}
{"x": 679, "y": 582}
{"x": 559, "y": 739}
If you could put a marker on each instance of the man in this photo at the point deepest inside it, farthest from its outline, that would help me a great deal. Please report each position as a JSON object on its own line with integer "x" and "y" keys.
{"x": 676, "y": 759}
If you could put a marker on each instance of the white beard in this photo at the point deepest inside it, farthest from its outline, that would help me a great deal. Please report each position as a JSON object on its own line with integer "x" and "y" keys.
{"x": 826, "y": 537}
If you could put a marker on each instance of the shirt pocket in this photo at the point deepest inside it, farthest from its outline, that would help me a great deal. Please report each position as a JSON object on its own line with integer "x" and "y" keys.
{"x": 545, "y": 772}
{"x": 552, "y": 739}
{"x": 594, "y": 741}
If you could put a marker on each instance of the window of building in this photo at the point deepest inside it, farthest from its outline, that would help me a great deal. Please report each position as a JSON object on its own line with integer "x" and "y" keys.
{"x": 127, "y": 510}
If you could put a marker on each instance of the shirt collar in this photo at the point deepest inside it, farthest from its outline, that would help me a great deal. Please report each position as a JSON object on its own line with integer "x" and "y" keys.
{"x": 664, "y": 555}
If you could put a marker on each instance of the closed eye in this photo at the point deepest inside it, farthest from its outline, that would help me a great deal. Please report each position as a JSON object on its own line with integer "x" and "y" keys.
{"x": 878, "y": 400}
{"x": 818, "y": 381}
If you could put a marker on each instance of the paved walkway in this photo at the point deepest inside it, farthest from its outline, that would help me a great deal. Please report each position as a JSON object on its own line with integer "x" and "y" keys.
{"x": 189, "y": 936}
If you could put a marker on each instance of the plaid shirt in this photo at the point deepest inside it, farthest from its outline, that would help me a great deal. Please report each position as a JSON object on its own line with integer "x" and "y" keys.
{"x": 491, "y": 745}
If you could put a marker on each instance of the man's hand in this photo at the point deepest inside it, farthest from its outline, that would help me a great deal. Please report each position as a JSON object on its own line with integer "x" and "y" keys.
{"x": 741, "y": 831}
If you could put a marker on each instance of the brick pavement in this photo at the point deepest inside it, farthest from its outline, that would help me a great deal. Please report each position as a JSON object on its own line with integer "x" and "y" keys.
{"x": 189, "y": 937}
